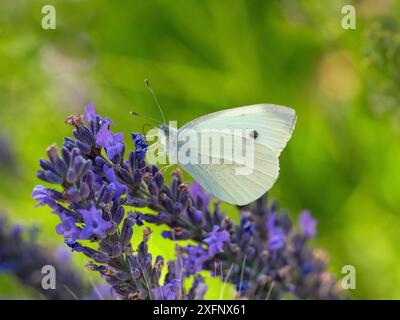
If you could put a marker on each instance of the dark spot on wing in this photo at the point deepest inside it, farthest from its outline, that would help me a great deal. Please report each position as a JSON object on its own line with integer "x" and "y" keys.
{"x": 254, "y": 134}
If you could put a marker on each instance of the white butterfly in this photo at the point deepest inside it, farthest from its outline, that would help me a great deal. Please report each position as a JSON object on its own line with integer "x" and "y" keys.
{"x": 268, "y": 127}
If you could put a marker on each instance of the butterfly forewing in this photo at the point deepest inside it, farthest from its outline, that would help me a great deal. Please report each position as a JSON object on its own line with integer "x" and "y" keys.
{"x": 267, "y": 127}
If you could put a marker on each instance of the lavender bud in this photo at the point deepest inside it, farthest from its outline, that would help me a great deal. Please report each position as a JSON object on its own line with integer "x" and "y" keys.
{"x": 87, "y": 136}
{"x": 126, "y": 231}
{"x": 54, "y": 194}
{"x": 102, "y": 192}
{"x": 118, "y": 215}
{"x": 146, "y": 263}
{"x": 138, "y": 202}
{"x": 108, "y": 193}
{"x": 117, "y": 249}
{"x": 106, "y": 246}
{"x": 61, "y": 167}
{"x": 137, "y": 177}
{"x": 85, "y": 190}
{"x": 159, "y": 264}
{"x": 174, "y": 187}
{"x": 46, "y": 165}
{"x": 87, "y": 166}
{"x": 154, "y": 169}
{"x": 66, "y": 155}
{"x": 100, "y": 258}
{"x": 78, "y": 164}
{"x": 177, "y": 234}
{"x": 83, "y": 147}
{"x": 183, "y": 198}
{"x": 68, "y": 144}
{"x": 195, "y": 215}
{"x": 159, "y": 179}
{"x": 169, "y": 204}
{"x": 71, "y": 176}
{"x": 89, "y": 178}
{"x": 151, "y": 218}
{"x": 100, "y": 162}
{"x": 152, "y": 186}
{"x": 52, "y": 153}
{"x": 51, "y": 177}
{"x": 179, "y": 208}
{"x": 131, "y": 160}
{"x": 41, "y": 175}
{"x": 124, "y": 176}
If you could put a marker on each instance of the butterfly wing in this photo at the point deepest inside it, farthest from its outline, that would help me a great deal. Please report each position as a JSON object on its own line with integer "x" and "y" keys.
{"x": 272, "y": 127}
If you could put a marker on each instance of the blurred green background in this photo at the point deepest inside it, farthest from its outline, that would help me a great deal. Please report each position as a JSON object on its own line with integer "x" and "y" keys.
{"x": 201, "y": 56}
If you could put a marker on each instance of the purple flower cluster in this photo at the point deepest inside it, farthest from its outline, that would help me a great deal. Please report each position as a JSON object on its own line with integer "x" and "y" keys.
{"x": 96, "y": 188}
{"x": 263, "y": 255}
{"x": 21, "y": 256}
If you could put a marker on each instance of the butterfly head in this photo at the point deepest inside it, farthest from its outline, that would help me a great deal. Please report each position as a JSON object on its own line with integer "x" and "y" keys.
{"x": 168, "y": 139}
{"x": 168, "y": 132}
{"x": 164, "y": 129}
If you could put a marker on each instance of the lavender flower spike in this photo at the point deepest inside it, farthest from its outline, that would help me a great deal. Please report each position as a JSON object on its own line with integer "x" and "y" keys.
{"x": 262, "y": 255}
{"x": 22, "y": 256}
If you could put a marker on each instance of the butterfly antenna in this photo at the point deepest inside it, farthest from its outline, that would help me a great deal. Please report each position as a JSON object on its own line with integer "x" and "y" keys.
{"x": 147, "y": 82}
{"x": 135, "y": 114}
